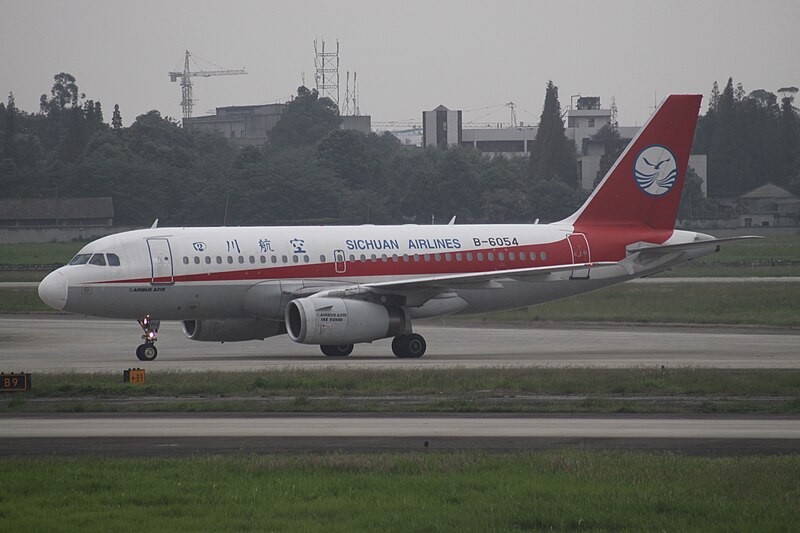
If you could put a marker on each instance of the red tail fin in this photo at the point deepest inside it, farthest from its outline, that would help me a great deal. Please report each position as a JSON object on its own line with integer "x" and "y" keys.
{"x": 644, "y": 185}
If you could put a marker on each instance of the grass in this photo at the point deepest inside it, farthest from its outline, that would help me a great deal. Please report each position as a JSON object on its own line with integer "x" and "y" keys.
{"x": 39, "y": 253}
{"x": 430, "y": 390}
{"x": 754, "y": 303}
{"x": 768, "y": 257}
{"x": 22, "y": 301}
{"x": 560, "y": 490}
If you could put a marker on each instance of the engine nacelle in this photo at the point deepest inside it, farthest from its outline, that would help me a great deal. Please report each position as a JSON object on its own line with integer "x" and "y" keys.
{"x": 246, "y": 329}
{"x": 339, "y": 321}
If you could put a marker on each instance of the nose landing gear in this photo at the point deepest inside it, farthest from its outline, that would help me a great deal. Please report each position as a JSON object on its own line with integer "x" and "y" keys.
{"x": 148, "y": 351}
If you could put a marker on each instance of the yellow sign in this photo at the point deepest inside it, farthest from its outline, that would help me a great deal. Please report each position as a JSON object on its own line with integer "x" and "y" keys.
{"x": 134, "y": 375}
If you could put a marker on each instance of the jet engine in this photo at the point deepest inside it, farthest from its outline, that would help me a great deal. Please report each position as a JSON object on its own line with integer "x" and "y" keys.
{"x": 336, "y": 321}
{"x": 246, "y": 329}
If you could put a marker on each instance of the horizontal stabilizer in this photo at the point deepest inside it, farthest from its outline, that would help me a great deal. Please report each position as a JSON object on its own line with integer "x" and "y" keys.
{"x": 648, "y": 248}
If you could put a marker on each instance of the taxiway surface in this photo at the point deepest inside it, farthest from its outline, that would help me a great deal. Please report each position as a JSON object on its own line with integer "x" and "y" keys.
{"x": 45, "y": 343}
{"x": 181, "y": 435}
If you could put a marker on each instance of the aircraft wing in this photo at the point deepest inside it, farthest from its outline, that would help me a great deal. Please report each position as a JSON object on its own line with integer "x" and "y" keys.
{"x": 444, "y": 282}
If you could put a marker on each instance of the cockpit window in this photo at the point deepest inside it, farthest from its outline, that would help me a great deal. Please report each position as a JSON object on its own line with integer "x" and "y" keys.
{"x": 80, "y": 259}
{"x": 98, "y": 259}
{"x": 113, "y": 260}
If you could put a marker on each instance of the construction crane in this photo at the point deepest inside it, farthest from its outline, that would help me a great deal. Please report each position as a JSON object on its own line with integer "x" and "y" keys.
{"x": 187, "y": 102}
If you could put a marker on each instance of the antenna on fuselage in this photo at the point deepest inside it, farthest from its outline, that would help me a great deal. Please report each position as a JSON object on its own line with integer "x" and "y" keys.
{"x": 155, "y": 224}
{"x": 452, "y": 221}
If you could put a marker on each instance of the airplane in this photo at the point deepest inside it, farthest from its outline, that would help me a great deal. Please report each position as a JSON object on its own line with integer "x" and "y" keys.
{"x": 338, "y": 286}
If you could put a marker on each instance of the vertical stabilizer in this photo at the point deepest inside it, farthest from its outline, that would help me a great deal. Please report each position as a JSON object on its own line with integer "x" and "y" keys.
{"x": 644, "y": 185}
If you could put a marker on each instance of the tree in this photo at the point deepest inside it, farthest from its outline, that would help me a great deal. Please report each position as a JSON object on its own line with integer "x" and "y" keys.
{"x": 609, "y": 136}
{"x": 713, "y": 102}
{"x": 306, "y": 120}
{"x": 116, "y": 119}
{"x": 789, "y": 139}
{"x": 64, "y": 93}
{"x": 724, "y": 153}
{"x": 9, "y": 129}
{"x": 552, "y": 154}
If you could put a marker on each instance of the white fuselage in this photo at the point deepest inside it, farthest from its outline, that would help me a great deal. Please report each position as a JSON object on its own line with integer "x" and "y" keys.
{"x": 240, "y": 272}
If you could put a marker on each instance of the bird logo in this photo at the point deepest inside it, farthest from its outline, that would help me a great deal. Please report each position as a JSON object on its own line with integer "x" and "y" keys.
{"x": 656, "y": 170}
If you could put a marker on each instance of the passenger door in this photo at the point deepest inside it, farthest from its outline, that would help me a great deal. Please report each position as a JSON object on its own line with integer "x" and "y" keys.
{"x": 160, "y": 261}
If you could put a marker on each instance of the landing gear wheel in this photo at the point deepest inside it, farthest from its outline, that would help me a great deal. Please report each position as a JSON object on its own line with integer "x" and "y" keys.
{"x": 337, "y": 350}
{"x": 146, "y": 352}
{"x": 409, "y": 346}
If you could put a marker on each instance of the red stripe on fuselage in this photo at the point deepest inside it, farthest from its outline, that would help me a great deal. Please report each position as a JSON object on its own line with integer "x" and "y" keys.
{"x": 556, "y": 253}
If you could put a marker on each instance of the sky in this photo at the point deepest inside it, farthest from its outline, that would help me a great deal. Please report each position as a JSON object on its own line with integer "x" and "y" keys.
{"x": 410, "y": 55}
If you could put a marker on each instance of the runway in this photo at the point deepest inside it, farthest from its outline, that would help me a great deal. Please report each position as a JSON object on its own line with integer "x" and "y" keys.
{"x": 55, "y": 343}
{"x": 181, "y": 435}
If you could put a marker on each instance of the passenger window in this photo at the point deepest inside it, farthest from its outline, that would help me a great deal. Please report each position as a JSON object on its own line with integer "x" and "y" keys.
{"x": 501, "y": 256}
{"x": 480, "y": 256}
{"x": 352, "y": 257}
{"x": 543, "y": 256}
{"x": 274, "y": 259}
{"x": 113, "y": 260}
{"x": 384, "y": 258}
{"x": 427, "y": 258}
{"x": 263, "y": 259}
{"x": 469, "y": 257}
{"x": 230, "y": 260}
{"x": 448, "y": 257}
{"x": 459, "y": 257}
{"x": 405, "y": 258}
{"x": 196, "y": 260}
{"x": 98, "y": 259}
{"x": 241, "y": 259}
{"x": 363, "y": 258}
{"x": 373, "y": 258}
{"x": 208, "y": 259}
{"x": 295, "y": 259}
{"x": 284, "y": 259}
{"x": 185, "y": 260}
{"x": 490, "y": 256}
{"x": 322, "y": 259}
{"x": 395, "y": 258}
{"x": 437, "y": 257}
{"x": 511, "y": 256}
{"x": 252, "y": 259}
{"x": 219, "y": 260}
{"x": 306, "y": 259}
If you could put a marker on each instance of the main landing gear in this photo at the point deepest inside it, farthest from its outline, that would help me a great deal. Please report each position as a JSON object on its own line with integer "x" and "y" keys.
{"x": 410, "y": 345}
{"x": 407, "y": 346}
{"x": 337, "y": 350}
{"x": 148, "y": 351}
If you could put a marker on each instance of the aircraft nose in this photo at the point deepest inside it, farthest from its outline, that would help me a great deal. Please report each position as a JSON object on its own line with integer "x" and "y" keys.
{"x": 53, "y": 290}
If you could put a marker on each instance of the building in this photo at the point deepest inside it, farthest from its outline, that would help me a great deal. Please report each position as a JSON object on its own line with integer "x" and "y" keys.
{"x": 583, "y": 122}
{"x": 251, "y": 125}
{"x": 441, "y": 127}
{"x": 768, "y": 206}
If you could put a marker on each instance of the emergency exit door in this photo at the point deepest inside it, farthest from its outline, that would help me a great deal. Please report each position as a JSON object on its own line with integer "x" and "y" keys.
{"x": 341, "y": 262}
{"x": 580, "y": 254}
